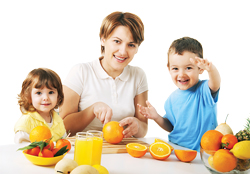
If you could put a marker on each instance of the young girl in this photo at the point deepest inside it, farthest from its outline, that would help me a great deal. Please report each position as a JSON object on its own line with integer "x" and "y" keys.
{"x": 41, "y": 93}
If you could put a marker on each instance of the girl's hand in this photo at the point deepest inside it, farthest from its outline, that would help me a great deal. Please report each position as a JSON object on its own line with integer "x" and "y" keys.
{"x": 148, "y": 112}
{"x": 202, "y": 63}
{"x": 132, "y": 126}
{"x": 103, "y": 112}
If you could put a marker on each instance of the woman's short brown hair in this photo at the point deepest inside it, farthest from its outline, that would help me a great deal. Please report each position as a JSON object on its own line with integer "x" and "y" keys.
{"x": 132, "y": 21}
{"x": 39, "y": 78}
{"x": 185, "y": 44}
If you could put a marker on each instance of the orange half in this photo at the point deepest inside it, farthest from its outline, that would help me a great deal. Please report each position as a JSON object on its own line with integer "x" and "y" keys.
{"x": 185, "y": 155}
{"x": 160, "y": 150}
{"x": 136, "y": 150}
{"x": 159, "y": 140}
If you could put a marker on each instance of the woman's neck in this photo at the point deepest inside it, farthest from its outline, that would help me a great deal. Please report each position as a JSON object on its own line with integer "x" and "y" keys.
{"x": 109, "y": 70}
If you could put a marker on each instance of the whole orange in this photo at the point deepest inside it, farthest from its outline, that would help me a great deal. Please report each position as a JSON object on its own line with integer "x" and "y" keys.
{"x": 112, "y": 132}
{"x": 55, "y": 150}
{"x": 46, "y": 153}
{"x": 40, "y": 133}
{"x": 50, "y": 145}
{"x": 34, "y": 151}
{"x": 228, "y": 141}
{"x": 211, "y": 140}
{"x": 224, "y": 161}
{"x": 63, "y": 142}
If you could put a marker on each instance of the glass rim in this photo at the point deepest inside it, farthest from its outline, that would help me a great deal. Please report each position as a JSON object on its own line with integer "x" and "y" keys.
{"x": 84, "y": 134}
{"x": 94, "y": 131}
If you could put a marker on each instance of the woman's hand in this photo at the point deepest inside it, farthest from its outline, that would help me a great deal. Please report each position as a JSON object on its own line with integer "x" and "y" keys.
{"x": 132, "y": 126}
{"x": 103, "y": 112}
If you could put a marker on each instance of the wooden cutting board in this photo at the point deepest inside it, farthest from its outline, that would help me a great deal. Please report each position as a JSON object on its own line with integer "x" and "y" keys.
{"x": 108, "y": 148}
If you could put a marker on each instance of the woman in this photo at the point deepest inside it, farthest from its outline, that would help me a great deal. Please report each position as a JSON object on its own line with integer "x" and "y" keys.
{"x": 108, "y": 88}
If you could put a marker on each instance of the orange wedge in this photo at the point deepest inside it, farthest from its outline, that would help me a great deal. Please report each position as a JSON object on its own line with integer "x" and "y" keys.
{"x": 160, "y": 150}
{"x": 136, "y": 150}
{"x": 159, "y": 140}
{"x": 185, "y": 155}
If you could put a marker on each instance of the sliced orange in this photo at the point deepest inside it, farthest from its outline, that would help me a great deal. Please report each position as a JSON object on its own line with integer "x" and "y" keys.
{"x": 160, "y": 150}
{"x": 159, "y": 140}
{"x": 136, "y": 150}
{"x": 185, "y": 155}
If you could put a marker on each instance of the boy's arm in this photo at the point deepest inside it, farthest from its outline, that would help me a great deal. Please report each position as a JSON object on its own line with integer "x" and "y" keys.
{"x": 164, "y": 123}
{"x": 213, "y": 73}
{"x": 150, "y": 112}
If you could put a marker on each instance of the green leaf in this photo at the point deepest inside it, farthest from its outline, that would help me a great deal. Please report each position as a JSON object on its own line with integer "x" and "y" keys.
{"x": 61, "y": 151}
{"x": 27, "y": 147}
{"x": 41, "y": 144}
{"x": 224, "y": 145}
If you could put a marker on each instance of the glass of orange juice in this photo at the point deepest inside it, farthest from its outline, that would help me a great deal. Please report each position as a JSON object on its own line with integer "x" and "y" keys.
{"x": 97, "y": 146}
{"x": 83, "y": 148}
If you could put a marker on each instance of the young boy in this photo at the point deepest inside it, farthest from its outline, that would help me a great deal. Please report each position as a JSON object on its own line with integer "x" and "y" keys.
{"x": 191, "y": 109}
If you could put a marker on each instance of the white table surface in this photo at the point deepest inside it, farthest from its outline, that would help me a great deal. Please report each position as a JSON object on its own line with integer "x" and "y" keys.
{"x": 13, "y": 161}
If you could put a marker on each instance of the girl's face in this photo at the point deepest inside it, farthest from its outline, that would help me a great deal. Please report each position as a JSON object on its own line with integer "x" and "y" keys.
{"x": 120, "y": 49}
{"x": 44, "y": 100}
{"x": 183, "y": 73}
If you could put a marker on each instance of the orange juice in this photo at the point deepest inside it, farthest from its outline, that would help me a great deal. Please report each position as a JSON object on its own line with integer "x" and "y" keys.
{"x": 97, "y": 146}
{"x": 97, "y": 151}
{"x": 83, "y": 149}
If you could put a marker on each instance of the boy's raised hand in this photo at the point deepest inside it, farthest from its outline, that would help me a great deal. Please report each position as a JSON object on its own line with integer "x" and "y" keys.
{"x": 202, "y": 63}
{"x": 213, "y": 73}
{"x": 149, "y": 111}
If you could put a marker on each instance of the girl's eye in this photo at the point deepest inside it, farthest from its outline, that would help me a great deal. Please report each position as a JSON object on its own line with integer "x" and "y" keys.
{"x": 189, "y": 68}
{"x": 38, "y": 93}
{"x": 116, "y": 41}
{"x": 175, "y": 69}
{"x": 51, "y": 92}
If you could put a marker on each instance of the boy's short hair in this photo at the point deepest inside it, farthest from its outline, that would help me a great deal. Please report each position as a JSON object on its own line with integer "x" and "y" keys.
{"x": 39, "y": 78}
{"x": 185, "y": 44}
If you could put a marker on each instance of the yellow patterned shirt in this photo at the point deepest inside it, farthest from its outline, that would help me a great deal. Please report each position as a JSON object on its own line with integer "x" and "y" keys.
{"x": 30, "y": 120}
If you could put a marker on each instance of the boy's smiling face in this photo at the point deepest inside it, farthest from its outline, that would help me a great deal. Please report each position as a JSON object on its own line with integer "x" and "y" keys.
{"x": 183, "y": 73}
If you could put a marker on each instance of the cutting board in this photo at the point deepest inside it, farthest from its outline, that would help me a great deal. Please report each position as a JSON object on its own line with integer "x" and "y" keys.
{"x": 108, "y": 148}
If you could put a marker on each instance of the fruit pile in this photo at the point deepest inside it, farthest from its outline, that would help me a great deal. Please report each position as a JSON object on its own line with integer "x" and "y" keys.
{"x": 46, "y": 148}
{"x": 160, "y": 150}
{"x": 42, "y": 145}
{"x": 228, "y": 151}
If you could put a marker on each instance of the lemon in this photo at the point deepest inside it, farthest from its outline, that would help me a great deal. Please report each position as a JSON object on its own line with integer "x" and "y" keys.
{"x": 101, "y": 169}
{"x": 210, "y": 161}
{"x": 241, "y": 150}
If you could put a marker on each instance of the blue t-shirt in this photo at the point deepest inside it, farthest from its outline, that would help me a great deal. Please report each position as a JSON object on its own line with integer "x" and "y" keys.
{"x": 192, "y": 112}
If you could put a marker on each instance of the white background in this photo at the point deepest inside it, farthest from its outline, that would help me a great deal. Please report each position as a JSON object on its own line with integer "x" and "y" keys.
{"x": 60, "y": 34}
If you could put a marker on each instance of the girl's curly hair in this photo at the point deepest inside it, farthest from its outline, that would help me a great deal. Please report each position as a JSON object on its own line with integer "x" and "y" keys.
{"x": 39, "y": 78}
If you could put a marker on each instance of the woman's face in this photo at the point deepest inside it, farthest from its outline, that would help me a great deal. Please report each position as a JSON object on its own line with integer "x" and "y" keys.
{"x": 120, "y": 49}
